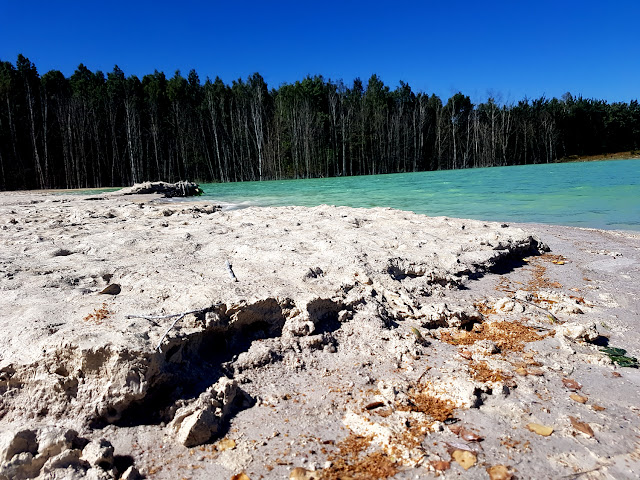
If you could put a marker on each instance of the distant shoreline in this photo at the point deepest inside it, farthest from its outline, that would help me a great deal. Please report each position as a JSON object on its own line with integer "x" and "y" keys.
{"x": 629, "y": 155}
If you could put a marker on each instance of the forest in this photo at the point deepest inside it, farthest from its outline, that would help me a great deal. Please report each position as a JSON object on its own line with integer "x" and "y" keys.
{"x": 96, "y": 130}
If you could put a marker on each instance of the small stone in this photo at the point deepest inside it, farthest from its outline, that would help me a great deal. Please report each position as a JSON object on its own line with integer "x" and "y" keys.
{"x": 540, "y": 429}
{"x": 299, "y": 326}
{"x": 68, "y": 458}
{"x": 131, "y": 473}
{"x": 197, "y": 422}
{"x": 499, "y": 472}
{"x": 198, "y": 428}
{"x": 226, "y": 444}
{"x": 577, "y": 331}
{"x": 486, "y": 347}
{"x": 466, "y": 354}
{"x": 300, "y": 473}
{"x": 506, "y": 305}
{"x": 578, "y": 398}
{"x": 374, "y": 405}
{"x": 240, "y": 476}
{"x": 329, "y": 348}
{"x": 99, "y": 453}
{"x": 113, "y": 289}
{"x": 523, "y": 295}
{"x": 469, "y": 436}
{"x": 464, "y": 458}
{"x": 14, "y": 443}
{"x": 53, "y": 440}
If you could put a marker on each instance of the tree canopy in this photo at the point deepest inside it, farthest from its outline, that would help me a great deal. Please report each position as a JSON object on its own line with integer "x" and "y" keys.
{"x": 92, "y": 130}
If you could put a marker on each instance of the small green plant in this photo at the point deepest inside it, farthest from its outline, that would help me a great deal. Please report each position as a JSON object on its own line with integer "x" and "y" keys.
{"x": 417, "y": 333}
{"x": 618, "y": 356}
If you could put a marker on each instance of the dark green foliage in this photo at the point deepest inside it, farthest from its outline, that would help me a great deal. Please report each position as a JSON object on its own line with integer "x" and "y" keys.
{"x": 618, "y": 356}
{"x": 89, "y": 130}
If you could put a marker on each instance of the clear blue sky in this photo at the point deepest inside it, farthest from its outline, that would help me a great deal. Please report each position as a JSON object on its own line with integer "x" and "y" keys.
{"x": 505, "y": 48}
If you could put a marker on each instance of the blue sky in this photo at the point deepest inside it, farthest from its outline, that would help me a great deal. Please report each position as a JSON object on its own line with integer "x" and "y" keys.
{"x": 507, "y": 49}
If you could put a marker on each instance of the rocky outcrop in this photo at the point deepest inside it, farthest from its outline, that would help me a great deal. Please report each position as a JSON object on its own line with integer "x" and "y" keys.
{"x": 293, "y": 292}
{"x": 195, "y": 423}
{"x": 383, "y": 323}
{"x": 57, "y": 452}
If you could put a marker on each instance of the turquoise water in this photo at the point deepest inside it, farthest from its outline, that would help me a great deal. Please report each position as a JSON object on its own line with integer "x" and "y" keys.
{"x": 590, "y": 194}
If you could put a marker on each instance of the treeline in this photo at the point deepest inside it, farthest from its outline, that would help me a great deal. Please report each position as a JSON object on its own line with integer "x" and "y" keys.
{"x": 92, "y": 129}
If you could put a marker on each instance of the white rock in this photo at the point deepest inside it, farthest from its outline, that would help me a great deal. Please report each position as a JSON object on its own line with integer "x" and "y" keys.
{"x": 131, "y": 473}
{"x": 389, "y": 392}
{"x": 508, "y": 305}
{"x": 198, "y": 421}
{"x": 457, "y": 388}
{"x": 299, "y": 325}
{"x": 53, "y": 440}
{"x": 260, "y": 353}
{"x": 485, "y": 347}
{"x": 504, "y": 305}
{"x": 523, "y": 295}
{"x": 445, "y": 315}
{"x": 198, "y": 428}
{"x": 99, "y": 453}
{"x": 566, "y": 308}
{"x": 68, "y": 458}
{"x": 20, "y": 466}
{"x": 578, "y": 332}
{"x": 13, "y": 443}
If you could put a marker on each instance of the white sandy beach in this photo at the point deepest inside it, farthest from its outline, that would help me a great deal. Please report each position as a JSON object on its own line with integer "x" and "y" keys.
{"x": 355, "y": 343}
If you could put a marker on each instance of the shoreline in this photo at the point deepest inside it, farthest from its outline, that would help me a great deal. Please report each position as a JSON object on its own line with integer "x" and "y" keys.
{"x": 344, "y": 324}
{"x": 228, "y": 207}
{"x": 630, "y": 155}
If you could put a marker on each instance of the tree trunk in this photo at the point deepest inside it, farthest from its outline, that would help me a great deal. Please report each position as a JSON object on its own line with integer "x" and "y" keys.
{"x": 34, "y": 144}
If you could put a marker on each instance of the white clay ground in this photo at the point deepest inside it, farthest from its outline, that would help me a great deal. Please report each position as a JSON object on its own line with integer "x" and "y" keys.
{"x": 356, "y": 343}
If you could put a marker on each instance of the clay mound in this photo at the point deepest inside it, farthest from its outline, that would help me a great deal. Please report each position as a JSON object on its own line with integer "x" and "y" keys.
{"x": 173, "y": 343}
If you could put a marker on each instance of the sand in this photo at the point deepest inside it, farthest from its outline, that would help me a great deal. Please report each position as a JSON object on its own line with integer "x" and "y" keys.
{"x": 348, "y": 343}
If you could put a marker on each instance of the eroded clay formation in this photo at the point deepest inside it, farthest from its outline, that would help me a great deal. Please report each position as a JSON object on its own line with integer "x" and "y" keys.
{"x": 95, "y": 286}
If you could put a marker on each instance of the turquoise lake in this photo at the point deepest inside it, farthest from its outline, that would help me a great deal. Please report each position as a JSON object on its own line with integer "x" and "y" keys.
{"x": 603, "y": 194}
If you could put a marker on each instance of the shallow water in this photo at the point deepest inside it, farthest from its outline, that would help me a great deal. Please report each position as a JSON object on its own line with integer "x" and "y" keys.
{"x": 603, "y": 194}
